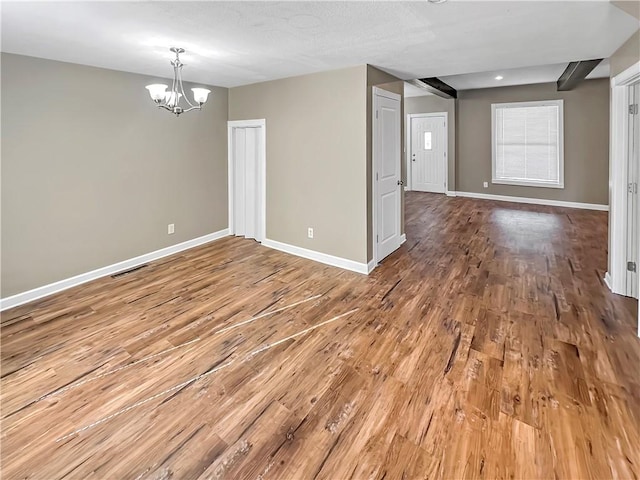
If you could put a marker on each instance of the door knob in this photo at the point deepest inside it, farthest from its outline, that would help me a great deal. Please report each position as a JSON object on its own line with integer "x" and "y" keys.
{"x": 400, "y": 182}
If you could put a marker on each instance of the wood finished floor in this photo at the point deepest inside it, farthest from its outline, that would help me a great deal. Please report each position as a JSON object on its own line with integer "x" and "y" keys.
{"x": 486, "y": 347}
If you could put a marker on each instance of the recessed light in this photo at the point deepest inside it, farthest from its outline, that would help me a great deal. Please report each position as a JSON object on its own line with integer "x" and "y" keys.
{"x": 499, "y": 77}
{"x": 437, "y": 1}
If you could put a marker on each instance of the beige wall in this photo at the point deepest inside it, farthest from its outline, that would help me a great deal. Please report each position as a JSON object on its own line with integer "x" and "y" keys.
{"x": 586, "y": 140}
{"x": 628, "y": 54}
{"x": 316, "y": 158}
{"x": 385, "y": 81}
{"x": 435, "y": 104}
{"x": 92, "y": 172}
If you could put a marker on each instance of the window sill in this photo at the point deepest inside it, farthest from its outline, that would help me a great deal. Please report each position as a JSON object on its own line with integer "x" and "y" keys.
{"x": 527, "y": 184}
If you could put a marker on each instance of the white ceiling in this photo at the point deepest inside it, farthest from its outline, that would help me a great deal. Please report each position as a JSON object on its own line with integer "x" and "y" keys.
{"x": 236, "y": 43}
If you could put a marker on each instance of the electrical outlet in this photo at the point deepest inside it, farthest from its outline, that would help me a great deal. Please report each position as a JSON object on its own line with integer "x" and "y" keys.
{"x": 310, "y": 232}
{"x": 485, "y": 184}
{"x": 171, "y": 228}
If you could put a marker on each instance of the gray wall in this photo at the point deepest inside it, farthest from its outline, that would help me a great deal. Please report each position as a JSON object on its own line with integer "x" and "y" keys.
{"x": 435, "y": 104}
{"x": 92, "y": 171}
{"x": 586, "y": 140}
{"x": 316, "y": 158}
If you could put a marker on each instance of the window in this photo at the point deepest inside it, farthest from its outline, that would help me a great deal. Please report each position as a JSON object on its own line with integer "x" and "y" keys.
{"x": 427, "y": 140}
{"x": 528, "y": 143}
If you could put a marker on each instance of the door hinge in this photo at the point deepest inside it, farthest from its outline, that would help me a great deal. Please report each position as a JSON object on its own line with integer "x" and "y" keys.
{"x": 376, "y": 113}
{"x": 632, "y": 187}
{"x": 633, "y": 109}
{"x": 377, "y": 241}
{"x": 631, "y": 266}
{"x": 376, "y": 176}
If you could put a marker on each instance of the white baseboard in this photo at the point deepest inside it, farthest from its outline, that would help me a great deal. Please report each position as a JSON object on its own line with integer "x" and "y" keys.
{"x": 534, "y": 201}
{"x": 318, "y": 256}
{"x": 450, "y": 193}
{"x": 370, "y": 266}
{"x": 607, "y": 281}
{"x": 46, "y": 290}
{"x": 403, "y": 238}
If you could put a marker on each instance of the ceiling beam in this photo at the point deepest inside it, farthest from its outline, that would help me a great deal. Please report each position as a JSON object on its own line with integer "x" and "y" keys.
{"x": 575, "y": 73}
{"x": 436, "y": 86}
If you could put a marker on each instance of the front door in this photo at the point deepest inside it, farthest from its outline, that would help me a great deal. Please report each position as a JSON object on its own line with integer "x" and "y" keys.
{"x": 428, "y": 154}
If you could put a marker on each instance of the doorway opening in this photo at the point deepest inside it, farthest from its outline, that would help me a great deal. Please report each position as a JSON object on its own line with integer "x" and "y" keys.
{"x": 633, "y": 167}
{"x": 624, "y": 174}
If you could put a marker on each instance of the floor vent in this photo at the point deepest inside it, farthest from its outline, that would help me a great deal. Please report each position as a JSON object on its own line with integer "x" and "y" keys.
{"x": 127, "y": 272}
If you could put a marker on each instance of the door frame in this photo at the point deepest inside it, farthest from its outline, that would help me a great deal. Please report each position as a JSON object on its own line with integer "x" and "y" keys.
{"x": 379, "y": 92}
{"x": 261, "y": 174}
{"x": 409, "y": 139}
{"x": 616, "y": 276}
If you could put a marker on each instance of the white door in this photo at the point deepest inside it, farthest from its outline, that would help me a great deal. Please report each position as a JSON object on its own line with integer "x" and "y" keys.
{"x": 386, "y": 156}
{"x": 428, "y": 153}
{"x": 632, "y": 191}
{"x": 246, "y": 187}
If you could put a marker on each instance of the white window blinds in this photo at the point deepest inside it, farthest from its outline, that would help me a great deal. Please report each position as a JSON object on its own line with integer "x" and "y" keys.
{"x": 527, "y": 143}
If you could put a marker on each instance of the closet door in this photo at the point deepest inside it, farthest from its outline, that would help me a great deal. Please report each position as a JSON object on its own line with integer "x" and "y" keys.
{"x": 246, "y": 188}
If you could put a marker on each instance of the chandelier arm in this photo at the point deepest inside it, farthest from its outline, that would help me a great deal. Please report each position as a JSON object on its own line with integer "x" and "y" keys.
{"x": 193, "y": 107}
{"x": 174, "y": 90}
{"x": 186, "y": 99}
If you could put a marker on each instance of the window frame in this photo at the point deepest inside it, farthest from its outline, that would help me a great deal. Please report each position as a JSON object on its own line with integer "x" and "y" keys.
{"x": 529, "y": 183}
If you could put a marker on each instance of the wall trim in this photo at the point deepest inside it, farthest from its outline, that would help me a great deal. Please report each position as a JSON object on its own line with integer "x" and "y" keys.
{"x": 534, "y": 201}
{"x": 318, "y": 256}
{"x": 59, "y": 286}
{"x": 449, "y": 193}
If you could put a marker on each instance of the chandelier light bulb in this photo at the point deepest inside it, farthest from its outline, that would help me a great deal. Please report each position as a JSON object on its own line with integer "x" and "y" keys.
{"x": 200, "y": 94}
{"x": 157, "y": 91}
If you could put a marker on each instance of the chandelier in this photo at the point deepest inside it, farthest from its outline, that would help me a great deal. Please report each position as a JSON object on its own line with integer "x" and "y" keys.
{"x": 170, "y": 99}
